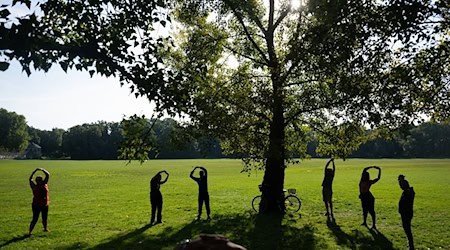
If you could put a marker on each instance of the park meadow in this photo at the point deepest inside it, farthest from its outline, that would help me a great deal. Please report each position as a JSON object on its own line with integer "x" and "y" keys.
{"x": 105, "y": 205}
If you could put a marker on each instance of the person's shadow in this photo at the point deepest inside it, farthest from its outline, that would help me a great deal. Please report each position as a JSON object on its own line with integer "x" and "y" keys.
{"x": 357, "y": 240}
{"x": 382, "y": 241}
{"x": 13, "y": 240}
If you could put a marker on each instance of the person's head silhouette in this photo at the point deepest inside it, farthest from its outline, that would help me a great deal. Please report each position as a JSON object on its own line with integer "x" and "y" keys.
{"x": 39, "y": 180}
{"x": 365, "y": 176}
{"x": 404, "y": 184}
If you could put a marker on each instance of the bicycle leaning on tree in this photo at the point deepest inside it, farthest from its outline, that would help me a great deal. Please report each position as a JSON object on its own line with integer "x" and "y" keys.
{"x": 291, "y": 201}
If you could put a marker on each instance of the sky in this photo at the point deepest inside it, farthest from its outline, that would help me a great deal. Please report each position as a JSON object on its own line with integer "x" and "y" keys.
{"x": 62, "y": 100}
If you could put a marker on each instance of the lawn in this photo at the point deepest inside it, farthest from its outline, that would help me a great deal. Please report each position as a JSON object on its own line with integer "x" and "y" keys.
{"x": 105, "y": 205}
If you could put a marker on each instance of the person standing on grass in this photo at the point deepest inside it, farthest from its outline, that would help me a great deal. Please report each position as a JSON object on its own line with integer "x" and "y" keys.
{"x": 405, "y": 208}
{"x": 40, "y": 199}
{"x": 367, "y": 199}
{"x": 156, "y": 199}
{"x": 327, "y": 188}
{"x": 203, "y": 196}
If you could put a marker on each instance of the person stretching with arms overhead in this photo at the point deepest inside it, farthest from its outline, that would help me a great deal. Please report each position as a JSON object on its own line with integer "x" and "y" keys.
{"x": 367, "y": 199}
{"x": 156, "y": 199}
{"x": 203, "y": 196}
{"x": 40, "y": 199}
{"x": 327, "y": 188}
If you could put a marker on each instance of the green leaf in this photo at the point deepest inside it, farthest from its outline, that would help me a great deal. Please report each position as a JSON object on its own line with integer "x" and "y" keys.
{"x": 63, "y": 66}
{"x": 4, "y": 13}
{"x": 4, "y": 66}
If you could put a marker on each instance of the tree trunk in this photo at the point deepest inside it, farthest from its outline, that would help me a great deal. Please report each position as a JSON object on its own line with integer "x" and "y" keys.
{"x": 273, "y": 183}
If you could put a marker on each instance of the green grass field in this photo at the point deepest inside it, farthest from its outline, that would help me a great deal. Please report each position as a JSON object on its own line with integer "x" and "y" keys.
{"x": 105, "y": 205}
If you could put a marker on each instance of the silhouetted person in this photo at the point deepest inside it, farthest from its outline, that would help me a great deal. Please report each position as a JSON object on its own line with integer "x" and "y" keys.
{"x": 40, "y": 199}
{"x": 327, "y": 188}
{"x": 367, "y": 199}
{"x": 405, "y": 208}
{"x": 203, "y": 196}
{"x": 156, "y": 196}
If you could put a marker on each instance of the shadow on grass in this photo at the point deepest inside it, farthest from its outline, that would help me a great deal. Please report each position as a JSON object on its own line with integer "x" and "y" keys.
{"x": 357, "y": 240}
{"x": 13, "y": 240}
{"x": 251, "y": 231}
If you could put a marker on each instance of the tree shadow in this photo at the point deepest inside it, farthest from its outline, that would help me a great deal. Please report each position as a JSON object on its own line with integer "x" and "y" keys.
{"x": 251, "y": 231}
{"x": 13, "y": 240}
{"x": 358, "y": 240}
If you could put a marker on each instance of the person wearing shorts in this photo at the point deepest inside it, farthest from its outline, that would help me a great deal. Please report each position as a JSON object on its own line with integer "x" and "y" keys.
{"x": 367, "y": 199}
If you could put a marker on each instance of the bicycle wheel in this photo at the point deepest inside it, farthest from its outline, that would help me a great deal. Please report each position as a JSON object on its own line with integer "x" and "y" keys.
{"x": 255, "y": 203}
{"x": 292, "y": 203}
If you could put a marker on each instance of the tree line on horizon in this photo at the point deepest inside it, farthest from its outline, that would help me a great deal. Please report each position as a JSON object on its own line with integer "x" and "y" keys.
{"x": 102, "y": 140}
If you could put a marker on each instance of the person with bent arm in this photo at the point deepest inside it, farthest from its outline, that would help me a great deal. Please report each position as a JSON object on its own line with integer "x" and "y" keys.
{"x": 367, "y": 199}
{"x": 156, "y": 199}
{"x": 40, "y": 199}
{"x": 203, "y": 195}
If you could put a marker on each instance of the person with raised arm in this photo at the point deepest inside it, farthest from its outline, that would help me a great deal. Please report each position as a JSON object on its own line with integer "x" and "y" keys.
{"x": 327, "y": 188}
{"x": 156, "y": 199}
{"x": 203, "y": 195}
{"x": 40, "y": 199}
{"x": 367, "y": 199}
{"x": 405, "y": 208}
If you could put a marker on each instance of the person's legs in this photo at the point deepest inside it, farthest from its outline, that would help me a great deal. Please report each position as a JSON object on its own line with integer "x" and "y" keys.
{"x": 364, "y": 204}
{"x": 36, "y": 212}
{"x": 406, "y": 223}
{"x": 326, "y": 195}
{"x": 331, "y": 208}
{"x": 44, "y": 218}
{"x": 153, "y": 206}
{"x": 200, "y": 205}
{"x": 325, "y": 201}
{"x": 208, "y": 210}
{"x": 372, "y": 211}
{"x": 159, "y": 208}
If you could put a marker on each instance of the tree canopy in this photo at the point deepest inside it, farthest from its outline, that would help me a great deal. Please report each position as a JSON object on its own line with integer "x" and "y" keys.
{"x": 261, "y": 75}
{"x": 13, "y": 132}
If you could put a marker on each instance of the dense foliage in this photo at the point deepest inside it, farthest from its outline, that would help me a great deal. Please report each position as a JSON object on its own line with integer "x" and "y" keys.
{"x": 13, "y": 131}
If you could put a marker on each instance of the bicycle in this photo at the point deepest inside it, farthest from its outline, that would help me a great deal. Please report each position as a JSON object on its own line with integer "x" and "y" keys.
{"x": 291, "y": 201}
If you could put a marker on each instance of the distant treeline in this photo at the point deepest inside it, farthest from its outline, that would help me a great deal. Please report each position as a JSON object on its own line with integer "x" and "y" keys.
{"x": 428, "y": 140}
{"x": 101, "y": 140}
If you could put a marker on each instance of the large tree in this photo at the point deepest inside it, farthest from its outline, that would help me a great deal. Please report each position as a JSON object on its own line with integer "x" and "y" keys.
{"x": 262, "y": 75}
{"x": 13, "y": 132}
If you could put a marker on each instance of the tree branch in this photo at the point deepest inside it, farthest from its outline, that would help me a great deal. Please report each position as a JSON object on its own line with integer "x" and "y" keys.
{"x": 249, "y": 36}
{"x": 282, "y": 16}
{"x": 245, "y": 56}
